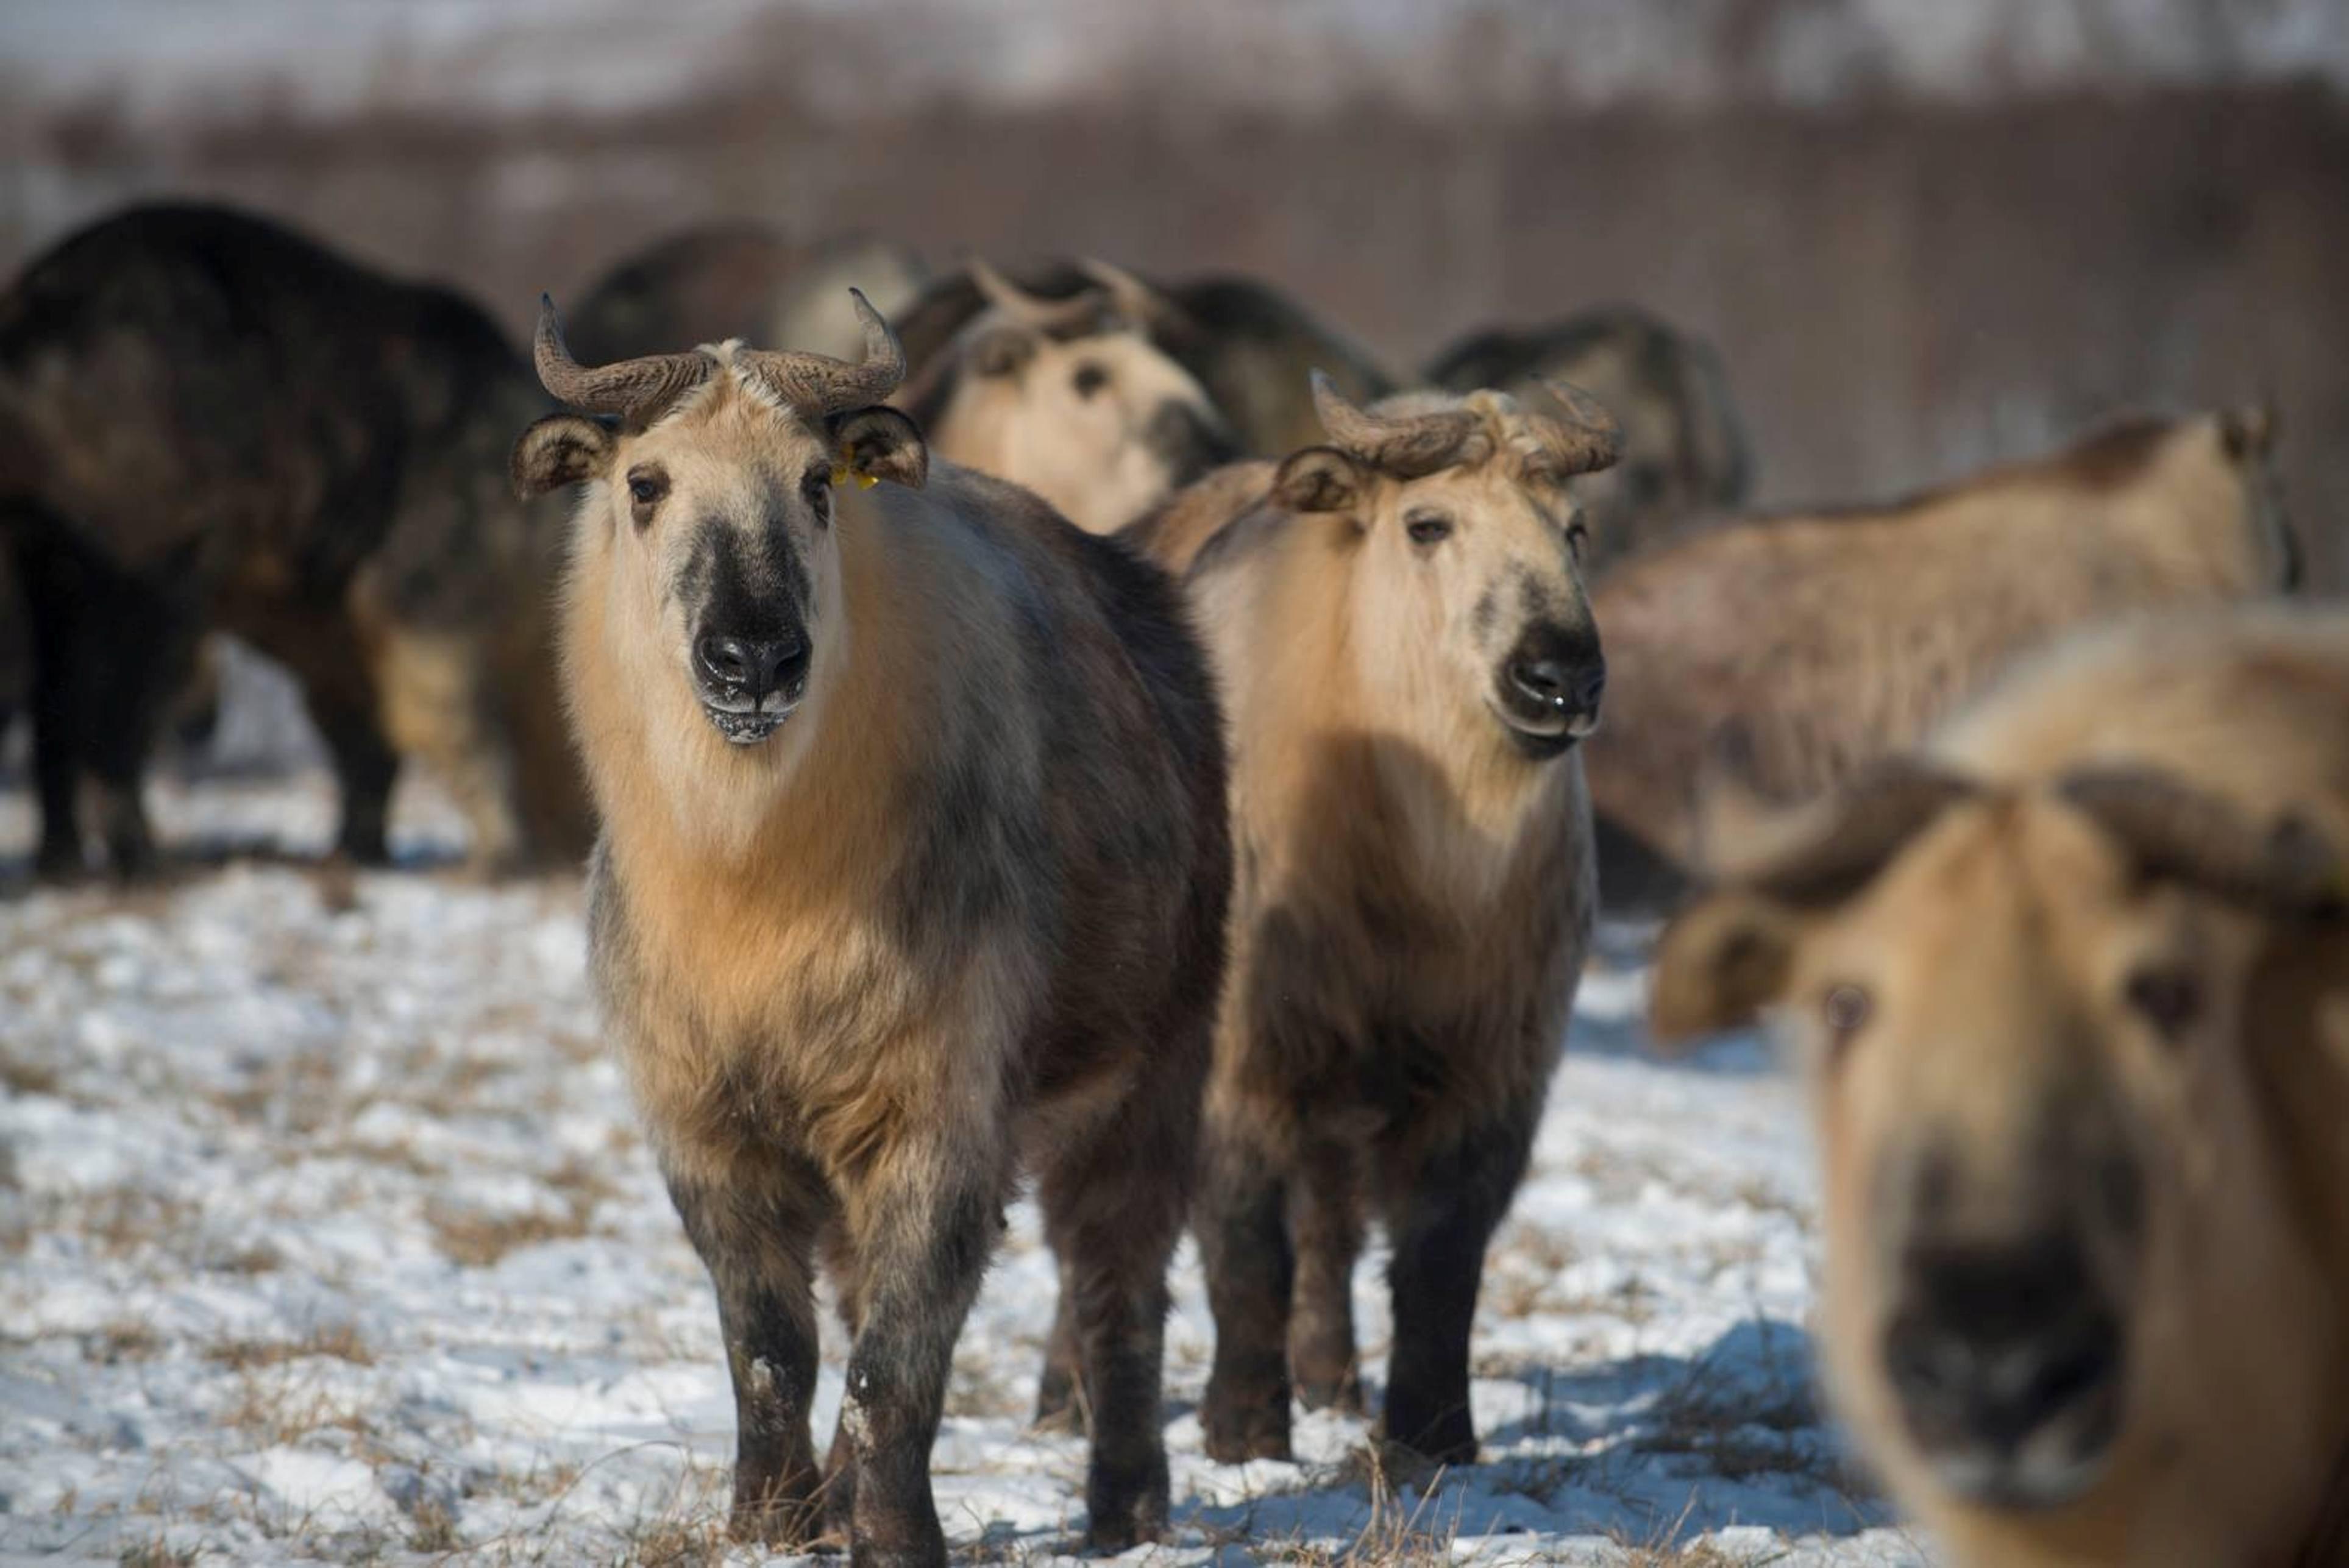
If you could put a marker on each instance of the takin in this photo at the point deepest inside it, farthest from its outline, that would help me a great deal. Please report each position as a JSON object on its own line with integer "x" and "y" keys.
{"x": 741, "y": 279}
{"x": 1070, "y": 399}
{"x": 911, "y": 883}
{"x": 1685, "y": 455}
{"x": 2070, "y": 993}
{"x": 1777, "y": 657}
{"x": 208, "y": 422}
{"x": 1248, "y": 345}
{"x": 1408, "y": 662}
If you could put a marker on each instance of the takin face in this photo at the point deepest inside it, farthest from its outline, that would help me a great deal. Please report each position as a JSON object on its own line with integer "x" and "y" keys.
{"x": 2053, "y": 1195}
{"x": 1073, "y": 401}
{"x": 1464, "y": 548}
{"x": 704, "y": 555}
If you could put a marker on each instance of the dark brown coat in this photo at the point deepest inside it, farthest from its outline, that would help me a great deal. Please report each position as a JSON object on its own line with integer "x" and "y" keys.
{"x": 207, "y": 421}
{"x": 912, "y": 884}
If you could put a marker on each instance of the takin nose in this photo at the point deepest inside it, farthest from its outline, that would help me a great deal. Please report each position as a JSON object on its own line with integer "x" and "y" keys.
{"x": 755, "y": 668}
{"x": 1549, "y": 681}
{"x": 2007, "y": 1362}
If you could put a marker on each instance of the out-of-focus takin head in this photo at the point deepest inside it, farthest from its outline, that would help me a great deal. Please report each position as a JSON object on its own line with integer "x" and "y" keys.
{"x": 1071, "y": 398}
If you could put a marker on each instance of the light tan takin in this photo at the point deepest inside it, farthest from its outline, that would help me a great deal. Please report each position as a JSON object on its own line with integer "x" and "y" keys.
{"x": 2072, "y": 994}
{"x": 1071, "y": 398}
{"x": 1398, "y": 622}
{"x": 912, "y": 881}
{"x": 1788, "y": 651}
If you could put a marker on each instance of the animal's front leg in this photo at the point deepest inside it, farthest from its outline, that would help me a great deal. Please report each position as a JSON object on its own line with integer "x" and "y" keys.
{"x": 1441, "y": 1221}
{"x": 1325, "y": 1215}
{"x": 1243, "y": 1229}
{"x": 756, "y": 1236}
{"x": 925, "y": 1228}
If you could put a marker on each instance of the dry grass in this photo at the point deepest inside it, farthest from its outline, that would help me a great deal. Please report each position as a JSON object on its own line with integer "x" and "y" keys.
{"x": 156, "y": 1553}
{"x": 124, "y": 1340}
{"x": 480, "y": 1240}
{"x": 22, "y": 1078}
{"x": 272, "y": 1408}
{"x": 340, "y": 1341}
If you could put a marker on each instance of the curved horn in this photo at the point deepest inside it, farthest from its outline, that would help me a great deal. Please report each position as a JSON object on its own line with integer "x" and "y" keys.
{"x": 2172, "y": 829}
{"x": 1054, "y": 317}
{"x": 636, "y": 391}
{"x": 1592, "y": 439}
{"x": 817, "y": 385}
{"x": 1406, "y": 444}
{"x": 1128, "y": 296}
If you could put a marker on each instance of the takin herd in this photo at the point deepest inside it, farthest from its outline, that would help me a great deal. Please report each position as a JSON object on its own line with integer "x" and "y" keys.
{"x": 1059, "y": 730}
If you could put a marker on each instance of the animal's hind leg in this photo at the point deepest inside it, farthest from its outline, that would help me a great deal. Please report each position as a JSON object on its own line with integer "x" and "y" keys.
{"x": 55, "y": 597}
{"x": 1325, "y": 1215}
{"x": 1243, "y": 1229}
{"x": 755, "y": 1230}
{"x": 1442, "y": 1215}
{"x": 1113, "y": 1210}
{"x": 436, "y": 707}
{"x": 1059, "y": 1387}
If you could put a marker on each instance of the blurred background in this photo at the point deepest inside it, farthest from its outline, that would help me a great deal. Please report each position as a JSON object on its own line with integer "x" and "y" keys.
{"x": 1925, "y": 234}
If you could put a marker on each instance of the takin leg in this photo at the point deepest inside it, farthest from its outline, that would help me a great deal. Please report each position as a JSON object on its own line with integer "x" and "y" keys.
{"x": 1059, "y": 1390}
{"x": 1243, "y": 1229}
{"x": 1325, "y": 1215}
{"x": 435, "y": 707}
{"x": 1114, "y": 1210}
{"x": 756, "y": 1232}
{"x": 1441, "y": 1217}
{"x": 57, "y": 602}
{"x": 924, "y": 1228}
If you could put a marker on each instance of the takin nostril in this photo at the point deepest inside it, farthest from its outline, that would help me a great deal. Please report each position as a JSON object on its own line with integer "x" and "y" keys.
{"x": 759, "y": 666}
{"x": 1544, "y": 680}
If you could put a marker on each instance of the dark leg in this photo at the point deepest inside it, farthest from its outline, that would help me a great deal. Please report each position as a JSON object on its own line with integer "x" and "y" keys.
{"x": 1114, "y": 1207}
{"x": 924, "y": 1232}
{"x": 365, "y": 765}
{"x": 57, "y": 741}
{"x": 1325, "y": 1213}
{"x": 1057, "y": 1391}
{"x": 757, "y": 1239}
{"x": 1243, "y": 1229}
{"x": 1441, "y": 1219}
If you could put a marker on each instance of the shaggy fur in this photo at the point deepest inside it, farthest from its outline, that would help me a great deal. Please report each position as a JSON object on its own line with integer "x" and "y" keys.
{"x": 1685, "y": 455}
{"x": 1412, "y": 903}
{"x": 207, "y": 421}
{"x": 957, "y": 921}
{"x": 1788, "y": 651}
{"x": 2075, "y": 1021}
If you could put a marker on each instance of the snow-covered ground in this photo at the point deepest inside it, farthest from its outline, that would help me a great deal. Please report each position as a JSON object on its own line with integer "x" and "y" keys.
{"x": 325, "y": 1234}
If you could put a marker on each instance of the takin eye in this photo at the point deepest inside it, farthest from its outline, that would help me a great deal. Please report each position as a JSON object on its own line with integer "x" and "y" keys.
{"x": 2167, "y": 997}
{"x": 1427, "y": 527}
{"x": 645, "y": 489}
{"x": 1089, "y": 380}
{"x": 1845, "y": 1010}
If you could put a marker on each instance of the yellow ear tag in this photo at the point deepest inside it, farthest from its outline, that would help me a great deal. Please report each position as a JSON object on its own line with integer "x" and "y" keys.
{"x": 865, "y": 481}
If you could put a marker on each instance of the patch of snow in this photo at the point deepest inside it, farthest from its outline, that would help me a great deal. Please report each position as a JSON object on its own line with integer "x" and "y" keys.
{"x": 325, "y": 1233}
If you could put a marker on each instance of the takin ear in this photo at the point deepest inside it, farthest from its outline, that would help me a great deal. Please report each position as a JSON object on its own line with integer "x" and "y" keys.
{"x": 1319, "y": 478}
{"x": 560, "y": 449}
{"x": 1718, "y": 964}
{"x": 882, "y": 444}
{"x": 1003, "y": 351}
{"x": 2249, "y": 432}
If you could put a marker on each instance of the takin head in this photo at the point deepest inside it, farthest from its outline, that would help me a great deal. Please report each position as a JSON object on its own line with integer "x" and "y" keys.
{"x": 707, "y": 525}
{"x": 1464, "y": 552}
{"x": 2060, "y": 1252}
{"x": 1072, "y": 399}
